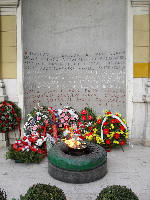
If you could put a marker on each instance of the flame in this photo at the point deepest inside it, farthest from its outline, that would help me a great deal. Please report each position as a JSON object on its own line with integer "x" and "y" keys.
{"x": 75, "y": 144}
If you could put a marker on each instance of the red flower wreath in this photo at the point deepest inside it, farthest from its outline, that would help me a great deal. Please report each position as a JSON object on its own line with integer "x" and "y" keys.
{"x": 10, "y": 116}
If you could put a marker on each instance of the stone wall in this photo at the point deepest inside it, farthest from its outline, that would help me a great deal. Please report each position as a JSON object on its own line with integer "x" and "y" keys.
{"x": 74, "y": 54}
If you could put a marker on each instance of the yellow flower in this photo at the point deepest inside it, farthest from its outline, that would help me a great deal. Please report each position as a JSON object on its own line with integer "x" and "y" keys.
{"x": 98, "y": 139}
{"x": 99, "y": 117}
{"x": 115, "y": 142}
{"x": 118, "y": 114}
{"x": 95, "y": 130}
{"x": 112, "y": 126}
{"x": 89, "y": 137}
{"x": 124, "y": 121}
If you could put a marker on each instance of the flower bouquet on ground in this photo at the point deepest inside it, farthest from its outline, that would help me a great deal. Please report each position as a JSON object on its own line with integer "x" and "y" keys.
{"x": 87, "y": 118}
{"x": 110, "y": 131}
{"x": 41, "y": 121}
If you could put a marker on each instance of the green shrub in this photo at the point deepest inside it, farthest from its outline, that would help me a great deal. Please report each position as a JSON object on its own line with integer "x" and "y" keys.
{"x": 44, "y": 192}
{"x": 3, "y": 195}
{"x": 24, "y": 156}
{"x": 116, "y": 192}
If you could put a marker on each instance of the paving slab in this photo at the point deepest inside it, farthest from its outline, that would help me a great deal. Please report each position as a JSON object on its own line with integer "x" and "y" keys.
{"x": 130, "y": 168}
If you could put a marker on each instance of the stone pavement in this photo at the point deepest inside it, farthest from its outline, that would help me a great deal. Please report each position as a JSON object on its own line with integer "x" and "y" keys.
{"x": 130, "y": 168}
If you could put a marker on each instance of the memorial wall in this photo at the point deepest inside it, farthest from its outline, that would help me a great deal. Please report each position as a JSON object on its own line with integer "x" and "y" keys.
{"x": 74, "y": 54}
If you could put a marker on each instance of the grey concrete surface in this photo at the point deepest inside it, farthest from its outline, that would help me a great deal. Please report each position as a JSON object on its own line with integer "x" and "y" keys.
{"x": 130, "y": 168}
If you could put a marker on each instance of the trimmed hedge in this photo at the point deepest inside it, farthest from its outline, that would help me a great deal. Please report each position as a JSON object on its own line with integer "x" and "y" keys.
{"x": 3, "y": 195}
{"x": 116, "y": 192}
{"x": 44, "y": 192}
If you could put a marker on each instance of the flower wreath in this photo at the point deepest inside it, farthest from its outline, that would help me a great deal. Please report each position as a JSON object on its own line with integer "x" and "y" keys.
{"x": 110, "y": 130}
{"x": 10, "y": 117}
{"x": 87, "y": 118}
{"x": 40, "y": 122}
{"x": 67, "y": 117}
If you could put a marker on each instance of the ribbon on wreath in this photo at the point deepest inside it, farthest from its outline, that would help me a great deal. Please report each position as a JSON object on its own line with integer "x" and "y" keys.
{"x": 51, "y": 111}
{"x": 13, "y": 110}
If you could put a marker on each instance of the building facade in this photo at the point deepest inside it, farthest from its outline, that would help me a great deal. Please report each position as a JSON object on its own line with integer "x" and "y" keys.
{"x": 91, "y": 53}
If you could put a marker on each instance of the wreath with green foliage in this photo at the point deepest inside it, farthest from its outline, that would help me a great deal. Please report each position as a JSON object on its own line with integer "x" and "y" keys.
{"x": 109, "y": 131}
{"x": 24, "y": 156}
{"x": 87, "y": 118}
{"x": 10, "y": 116}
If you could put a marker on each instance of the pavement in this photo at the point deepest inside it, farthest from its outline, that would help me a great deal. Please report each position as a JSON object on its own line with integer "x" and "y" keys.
{"x": 130, "y": 168}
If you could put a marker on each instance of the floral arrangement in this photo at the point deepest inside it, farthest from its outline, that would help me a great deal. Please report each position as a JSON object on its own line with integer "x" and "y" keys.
{"x": 110, "y": 130}
{"x": 41, "y": 121}
{"x": 67, "y": 117}
{"x": 87, "y": 118}
{"x": 10, "y": 117}
{"x": 23, "y": 156}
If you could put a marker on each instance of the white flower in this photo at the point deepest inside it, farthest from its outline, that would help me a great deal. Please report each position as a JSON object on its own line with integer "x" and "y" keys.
{"x": 39, "y": 142}
{"x": 66, "y": 132}
{"x": 38, "y": 113}
{"x": 59, "y": 111}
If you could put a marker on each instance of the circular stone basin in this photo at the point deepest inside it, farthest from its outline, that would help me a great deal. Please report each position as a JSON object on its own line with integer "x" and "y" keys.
{"x": 90, "y": 165}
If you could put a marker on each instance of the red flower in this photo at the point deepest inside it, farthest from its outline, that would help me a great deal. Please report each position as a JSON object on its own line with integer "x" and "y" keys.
{"x": 13, "y": 111}
{"x": 66, "y": 126}
{"x": 90, "y": 128}
{"x": 7, "y": 121}
{"x": 99, "y": 121}
{"x": 117, "y": 121}
{"x": 88, "y": 134}
{"x": 50, "y": 131}
{"x": 15, "y": 146}
{"x": 79, "y": 123}
{"x": 106, "y": 131}
{"x": 83, "y": 117}
{"x": 78, "y": 132}
{"x": 107, "y": 141}
{"x": 108, "y": 113}
{"x": 6, "y": 116}
{"x": 83, "y": 112}
{"x": 116, "y": 135}
{"x": 2, "y": 109}
{"x": 90, "y": 117}
{"x": 122, "y": 128}
{"x": 33, "y": 149}
{"x": 40, "y": 151}
{"x": 122, "y": 142}
{"x": 25, "y": 143}
{"x": 105, "y": 123}
{"x": 1, "y": 122}
{"x": 30, "y": 139}
{"x": 24, "y": 138}
{"x": 113, "y": 121}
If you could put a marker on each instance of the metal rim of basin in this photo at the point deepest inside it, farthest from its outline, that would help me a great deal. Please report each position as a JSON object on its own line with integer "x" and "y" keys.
{"x": 94, "y": 159}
